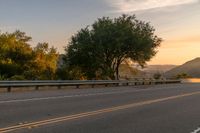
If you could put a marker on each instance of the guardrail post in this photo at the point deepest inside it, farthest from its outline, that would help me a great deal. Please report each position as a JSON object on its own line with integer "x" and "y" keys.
{"x": 77, "y": 86}
{"x": 143, "y": 82}
{"x": 92, "y": 85}
{"x": 149, "y": 81}
{"x": 36, "y": 88}
{"x": 9, "y": 89}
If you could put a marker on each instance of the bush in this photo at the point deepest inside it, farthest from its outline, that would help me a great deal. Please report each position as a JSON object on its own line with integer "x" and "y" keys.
{"x": 67, "y": 73}
{"x": 2, "y": 77}
{"x": 182, "y": 76}
{"x": 157, "y": 76}
{"x": 17, "y": 77}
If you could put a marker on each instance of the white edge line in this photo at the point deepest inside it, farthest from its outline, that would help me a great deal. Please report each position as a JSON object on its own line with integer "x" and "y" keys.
{"x": 77, "y": 95}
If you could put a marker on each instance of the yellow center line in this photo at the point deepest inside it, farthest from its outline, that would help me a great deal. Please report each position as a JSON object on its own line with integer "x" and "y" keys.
{"x": 92, "y": 113}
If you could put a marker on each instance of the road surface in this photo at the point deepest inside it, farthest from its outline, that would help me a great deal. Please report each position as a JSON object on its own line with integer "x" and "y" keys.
{"x": 173, "y": 108}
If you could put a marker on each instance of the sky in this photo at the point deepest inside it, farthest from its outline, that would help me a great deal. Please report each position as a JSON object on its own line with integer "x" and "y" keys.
{"x": 177, "y": 22}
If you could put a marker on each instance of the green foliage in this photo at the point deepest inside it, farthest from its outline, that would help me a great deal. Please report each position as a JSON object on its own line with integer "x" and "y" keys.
{"x": 15, "y": 53}
{"x": 2, "y": 77}
{"x": 44, "y": 65}
{"x": 100, "y": 49}
{"x": 18, "y": 60}
{"x": 157, "y": 76}
{"x": 17, "y": 77}
{"x": 95, "y": 52}
{"x": 182, "y": 76}
{"x": 67, "y": 73}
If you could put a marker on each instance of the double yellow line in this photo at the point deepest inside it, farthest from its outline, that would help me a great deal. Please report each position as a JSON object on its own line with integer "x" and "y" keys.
{"x": 92, "y": 113}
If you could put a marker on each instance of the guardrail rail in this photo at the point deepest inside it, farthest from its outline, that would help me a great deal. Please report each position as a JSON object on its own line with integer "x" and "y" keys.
{"x": 60, "y": 83}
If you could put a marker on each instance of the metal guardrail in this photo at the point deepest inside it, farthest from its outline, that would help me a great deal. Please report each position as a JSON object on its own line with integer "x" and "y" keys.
{"x": 60, "y": 83}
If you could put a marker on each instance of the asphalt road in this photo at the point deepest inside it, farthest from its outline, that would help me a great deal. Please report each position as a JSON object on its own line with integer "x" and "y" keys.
{"x": 171, "y": 108}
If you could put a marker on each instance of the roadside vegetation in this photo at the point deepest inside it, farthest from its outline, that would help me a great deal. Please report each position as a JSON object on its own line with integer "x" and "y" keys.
{"x": 19, "y": 61}
{"x": 182, "y": 76}
{"x": 94, "y": 52}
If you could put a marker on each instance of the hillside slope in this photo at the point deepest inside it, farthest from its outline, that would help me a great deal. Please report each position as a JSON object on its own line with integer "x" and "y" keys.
{"x": 158, "y": 68}
{"x": 191, "y": 68}
{"x": 126, "y": 71}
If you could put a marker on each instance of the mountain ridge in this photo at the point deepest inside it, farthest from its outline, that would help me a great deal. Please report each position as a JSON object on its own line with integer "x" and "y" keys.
{"x": 191, "y": 68}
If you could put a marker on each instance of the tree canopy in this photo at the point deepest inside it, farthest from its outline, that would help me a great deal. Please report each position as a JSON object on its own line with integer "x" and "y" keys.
{"x": 15, "y": 53}
{"x": 94, "y": 52}
{"x": 98, "y": 50}
{"x": 18, "y": 60}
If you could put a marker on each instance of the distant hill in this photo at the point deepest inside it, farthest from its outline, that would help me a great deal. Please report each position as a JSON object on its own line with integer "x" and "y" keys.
{"x": 191, "y": 68}
{"x": 158, "y": 68}
{"x": 134, "y": 71}
{"x": 126, "y": 71}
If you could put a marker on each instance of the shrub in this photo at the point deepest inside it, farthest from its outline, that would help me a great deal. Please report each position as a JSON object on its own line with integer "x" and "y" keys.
{"x": 17, "y": 77}
{"x": 157, "y": 76}
{"x": 2, "y": 77}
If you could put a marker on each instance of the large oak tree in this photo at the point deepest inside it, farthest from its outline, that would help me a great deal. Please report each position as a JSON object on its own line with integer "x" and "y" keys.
{"x": 98, "y": 50}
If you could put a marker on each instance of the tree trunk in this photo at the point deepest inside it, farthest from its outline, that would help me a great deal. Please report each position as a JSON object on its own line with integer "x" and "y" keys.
{"x": 117, "y": 71}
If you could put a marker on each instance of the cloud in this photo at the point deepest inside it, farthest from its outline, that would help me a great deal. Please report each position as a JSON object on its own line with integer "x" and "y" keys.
{"x": 137, "y": 5}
